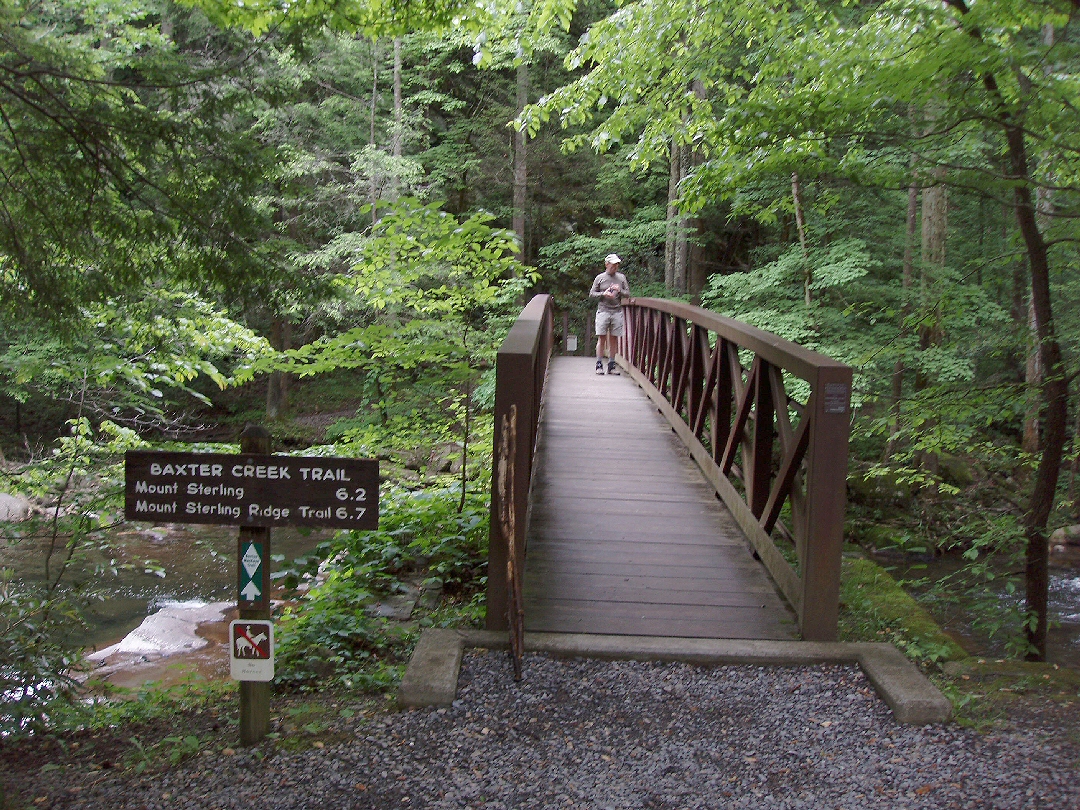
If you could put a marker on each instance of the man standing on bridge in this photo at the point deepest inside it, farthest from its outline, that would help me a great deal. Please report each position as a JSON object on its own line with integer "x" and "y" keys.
{"x": 610, "y": 287}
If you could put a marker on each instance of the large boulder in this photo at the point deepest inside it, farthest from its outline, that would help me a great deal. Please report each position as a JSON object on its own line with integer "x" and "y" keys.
{"x": 445, "y": 458}
{"x": 1066, "y": 536}
{"x": 956, "y": 471}
{"x": 13, "y": 507}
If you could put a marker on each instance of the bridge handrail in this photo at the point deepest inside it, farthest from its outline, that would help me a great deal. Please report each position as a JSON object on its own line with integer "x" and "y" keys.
{"x": 687, "y": 360}
{"x": 520, "y": 369}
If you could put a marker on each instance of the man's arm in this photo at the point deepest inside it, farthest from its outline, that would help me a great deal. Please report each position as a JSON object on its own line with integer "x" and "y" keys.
{"x": 595, "y": 292}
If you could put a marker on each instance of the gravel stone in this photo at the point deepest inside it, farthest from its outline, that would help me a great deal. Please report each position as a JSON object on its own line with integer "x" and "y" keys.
{"x": 612, "y": 735}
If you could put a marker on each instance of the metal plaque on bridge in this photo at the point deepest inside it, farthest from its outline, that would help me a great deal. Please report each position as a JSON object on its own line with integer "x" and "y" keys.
{"x": 251, "y": 490}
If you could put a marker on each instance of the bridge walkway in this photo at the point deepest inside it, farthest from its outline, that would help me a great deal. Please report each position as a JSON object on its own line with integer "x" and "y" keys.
{"x": 625, "y": 536}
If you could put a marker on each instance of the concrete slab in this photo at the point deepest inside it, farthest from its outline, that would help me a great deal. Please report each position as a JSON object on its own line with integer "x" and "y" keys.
{"x": 431, "y": 677}
{"x": 913, "y": 699}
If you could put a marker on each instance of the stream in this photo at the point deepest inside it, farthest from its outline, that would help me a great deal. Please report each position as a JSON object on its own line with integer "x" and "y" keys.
{"x": 1063, "y": 637}
{"x": 184, "y": 576}
{"x": 155, "y": 591}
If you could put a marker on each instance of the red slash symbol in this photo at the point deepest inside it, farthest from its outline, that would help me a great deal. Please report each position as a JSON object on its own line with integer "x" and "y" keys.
{"x": 251, "y": 646}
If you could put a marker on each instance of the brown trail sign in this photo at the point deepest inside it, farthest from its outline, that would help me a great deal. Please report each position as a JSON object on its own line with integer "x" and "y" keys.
{"x": 251, "y": 490}
{"x": 255, "y": 491}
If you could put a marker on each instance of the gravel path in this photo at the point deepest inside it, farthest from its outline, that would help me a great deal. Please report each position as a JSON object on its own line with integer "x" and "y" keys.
{"x": 592, "y": 734}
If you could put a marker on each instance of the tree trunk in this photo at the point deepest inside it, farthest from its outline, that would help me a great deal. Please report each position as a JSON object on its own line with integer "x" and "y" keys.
{"x": 520, "y": 167}
{"x": 808, "y": 273}
{"x": 935, "y": 207}
{"x": 695, "y": 273}
{"x": 373, "y": 187}
{"x": 1054, "y": 387}
{"x": 1055, "y": 396}
{"x": 696, "y": 269}
{"x": 1033, "y": 375}
{"x": 672, "y": 217}
{"x": 905, "y": 311}
{"x": 395, "y": 141}
{"x": 277, "y": 387}
{"x": 682, "y": 242}
{"x": 1033, "y": 369}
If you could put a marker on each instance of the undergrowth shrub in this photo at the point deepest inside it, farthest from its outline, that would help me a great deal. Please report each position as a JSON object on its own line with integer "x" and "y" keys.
{"x": 422, "y": 540}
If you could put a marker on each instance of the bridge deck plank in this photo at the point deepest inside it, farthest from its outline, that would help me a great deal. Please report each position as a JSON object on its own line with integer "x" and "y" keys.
{"x": 625, "y": 537}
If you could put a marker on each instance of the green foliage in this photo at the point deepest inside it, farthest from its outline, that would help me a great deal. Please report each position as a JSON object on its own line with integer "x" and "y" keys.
{"x": 171, "y": 749}
{"x": 635, "y": 240}
{"x": 148, "y": 704}
{"x": 122, "y": 161}
{"x": 772, "y": 297}
{"x": 987, "y": 587}
{"x": 35, "y": 661}
{"x": 422, "y": 537}
{"x": 132, "y": 359}
{"x": 441, "y": 285}
{"x": 875, "y": 608}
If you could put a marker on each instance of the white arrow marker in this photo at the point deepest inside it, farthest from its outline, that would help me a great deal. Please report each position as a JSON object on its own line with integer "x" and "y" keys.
{"x": 251, "y": 560}
{"x": 250, "y": 592}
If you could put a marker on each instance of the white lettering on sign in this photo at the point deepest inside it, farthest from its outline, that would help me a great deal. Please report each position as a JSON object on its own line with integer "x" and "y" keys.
{"x": 275, "y": 512}
{"x": 156, "y": 508}
{"x": 274, "y": 472}
{"x": 359, "y": 494}
{"x": 323, "y": 474}
{"x": 144, "y": 488}
{"x": 220, "y": 490}
{"x": 203, "y": 470}
{"x": 221, "y": 509}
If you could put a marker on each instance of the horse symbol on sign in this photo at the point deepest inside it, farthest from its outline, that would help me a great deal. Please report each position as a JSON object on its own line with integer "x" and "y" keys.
{"x": 251, "y": 650}
{"x": 251, "y": 640}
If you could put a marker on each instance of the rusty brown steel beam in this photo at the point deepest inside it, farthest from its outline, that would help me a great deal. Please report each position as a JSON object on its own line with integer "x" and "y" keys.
{"x": 760, "y": 473}
{"x": 742, "y": 414}
{"x": 799, "y": 360}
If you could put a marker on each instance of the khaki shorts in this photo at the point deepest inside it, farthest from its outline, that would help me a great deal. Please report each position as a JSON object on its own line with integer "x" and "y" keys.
{"x": 610, "y": 323}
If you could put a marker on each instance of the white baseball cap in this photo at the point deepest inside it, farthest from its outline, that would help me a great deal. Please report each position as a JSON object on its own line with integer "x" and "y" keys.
{"x": 612, "y": 258}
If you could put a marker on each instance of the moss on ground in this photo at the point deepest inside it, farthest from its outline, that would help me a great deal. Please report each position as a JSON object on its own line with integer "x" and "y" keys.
{"x": 1000, "y": 693}
{"x": 873, "y": 607}
{"x": 986, "y": 694}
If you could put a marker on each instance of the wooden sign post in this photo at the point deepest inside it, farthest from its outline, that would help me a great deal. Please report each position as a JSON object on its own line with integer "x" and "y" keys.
{"x": 254, "y": 541}
{"x": 255, "y": 491}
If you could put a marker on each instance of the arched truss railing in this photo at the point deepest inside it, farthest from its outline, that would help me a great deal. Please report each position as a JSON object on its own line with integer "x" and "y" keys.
{"x": 761, "y": 449}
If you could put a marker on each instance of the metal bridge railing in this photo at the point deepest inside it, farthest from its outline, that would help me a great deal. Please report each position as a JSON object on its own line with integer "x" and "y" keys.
{"x": 760, "y": 448}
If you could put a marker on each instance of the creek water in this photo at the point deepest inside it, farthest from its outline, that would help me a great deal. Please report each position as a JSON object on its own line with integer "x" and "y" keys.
{"x": 140, "y": 569}
{"x": 199, "y": 566}
{"x": 958, "y": 615}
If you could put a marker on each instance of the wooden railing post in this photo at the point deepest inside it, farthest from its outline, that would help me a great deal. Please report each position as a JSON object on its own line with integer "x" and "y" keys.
{"x": 826, "y": 487}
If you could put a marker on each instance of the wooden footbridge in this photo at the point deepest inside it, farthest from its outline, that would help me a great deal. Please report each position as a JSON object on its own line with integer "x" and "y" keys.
{"x": 698, "y": 494}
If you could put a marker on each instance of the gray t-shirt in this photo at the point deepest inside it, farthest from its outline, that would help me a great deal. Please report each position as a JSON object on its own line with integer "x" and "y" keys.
{"x": 601, "y": 284}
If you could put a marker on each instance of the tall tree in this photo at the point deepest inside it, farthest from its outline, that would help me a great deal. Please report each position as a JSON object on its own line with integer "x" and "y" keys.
{"x": 125, "y": 155}
{"x": 521, "y": 187}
